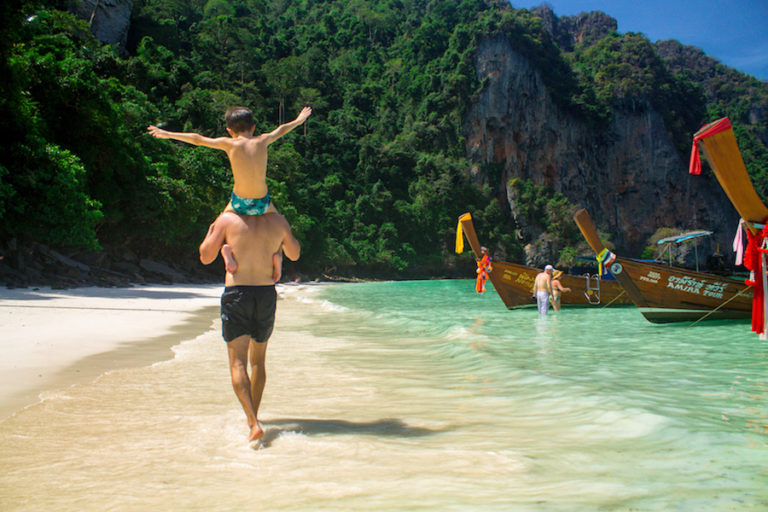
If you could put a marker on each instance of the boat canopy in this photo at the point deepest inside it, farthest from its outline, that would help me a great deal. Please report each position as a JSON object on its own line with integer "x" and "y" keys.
{"x": 683, "y": 237}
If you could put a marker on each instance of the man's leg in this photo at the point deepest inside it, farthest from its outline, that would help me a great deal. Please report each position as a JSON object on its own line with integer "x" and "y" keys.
{"x": 542, "y": 301}
{"x": 257, "y": 355}
{"x": 238, "y": 367}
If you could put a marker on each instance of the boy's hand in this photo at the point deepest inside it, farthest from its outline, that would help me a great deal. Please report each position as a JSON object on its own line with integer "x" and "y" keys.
{"x": 157, "y": 132}
{"x": 304, "y": 114}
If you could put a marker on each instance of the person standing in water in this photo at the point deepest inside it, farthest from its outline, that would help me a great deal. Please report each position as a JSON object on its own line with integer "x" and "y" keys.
{"x": 557, "y": 289}
{"x": 542, "y": 289}
{"x": 249, "y": 300}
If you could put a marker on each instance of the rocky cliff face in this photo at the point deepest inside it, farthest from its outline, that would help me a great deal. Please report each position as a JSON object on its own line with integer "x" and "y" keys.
{"x": 628, "y": 175}
{"x": 568, "y": 31}
{"x": 109, "y": 19}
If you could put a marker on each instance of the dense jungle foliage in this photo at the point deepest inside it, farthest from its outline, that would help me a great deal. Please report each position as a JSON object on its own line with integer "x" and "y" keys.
{"x": 374, "y": 182}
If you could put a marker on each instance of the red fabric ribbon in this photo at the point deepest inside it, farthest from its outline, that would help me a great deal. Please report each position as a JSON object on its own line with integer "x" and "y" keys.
{"x": 753, "y": 262}
{"x": 706, "y": 131}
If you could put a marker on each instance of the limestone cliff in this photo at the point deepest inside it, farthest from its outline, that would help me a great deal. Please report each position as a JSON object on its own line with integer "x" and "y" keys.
{"x": 628, "y": 174}
{"x": 109, "y": 19}
{"x": 567, "y": 31}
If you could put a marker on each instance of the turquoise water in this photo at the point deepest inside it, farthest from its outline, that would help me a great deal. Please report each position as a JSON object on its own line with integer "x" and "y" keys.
{"x": 416, "y": 395}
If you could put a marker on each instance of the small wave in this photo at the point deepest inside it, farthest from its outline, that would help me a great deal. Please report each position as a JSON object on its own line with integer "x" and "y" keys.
{"x": 326, "y": 305}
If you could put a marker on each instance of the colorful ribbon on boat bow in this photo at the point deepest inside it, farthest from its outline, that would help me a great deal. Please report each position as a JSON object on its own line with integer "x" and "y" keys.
{"x": 604, "y": 260}
{"x": 483, "y": 267}
{"x": 706, "y": 131}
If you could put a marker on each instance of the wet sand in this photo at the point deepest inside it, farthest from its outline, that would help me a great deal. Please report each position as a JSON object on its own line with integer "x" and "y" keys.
{"x": 55, "y": 338}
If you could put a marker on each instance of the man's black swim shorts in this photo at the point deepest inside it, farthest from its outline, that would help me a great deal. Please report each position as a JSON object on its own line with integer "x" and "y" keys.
{"x": 248, "y": 310}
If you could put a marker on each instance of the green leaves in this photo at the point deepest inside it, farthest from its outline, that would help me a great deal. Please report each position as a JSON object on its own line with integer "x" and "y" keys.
{"x": 373, "y": 182}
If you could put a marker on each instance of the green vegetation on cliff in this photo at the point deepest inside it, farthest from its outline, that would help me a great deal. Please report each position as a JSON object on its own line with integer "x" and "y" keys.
{"x": 372, "y": 186}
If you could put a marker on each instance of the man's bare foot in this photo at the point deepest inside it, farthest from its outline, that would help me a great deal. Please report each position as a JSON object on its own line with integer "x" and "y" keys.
{"x": 256, "y": 433}
{"x": 277, "y": 266}
{"x": 229, "y": 258}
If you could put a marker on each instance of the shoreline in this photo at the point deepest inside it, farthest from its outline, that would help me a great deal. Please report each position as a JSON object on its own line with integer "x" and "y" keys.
{"x": 52, "y": 339}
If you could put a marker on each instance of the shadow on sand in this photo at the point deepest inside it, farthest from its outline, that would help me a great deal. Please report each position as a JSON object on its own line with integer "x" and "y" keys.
{"x": 383, "y": 427}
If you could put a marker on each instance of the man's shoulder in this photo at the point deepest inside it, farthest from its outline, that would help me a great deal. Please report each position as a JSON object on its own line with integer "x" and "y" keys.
{"x": 276, "y": 219}
{"x": 228, "y": 218}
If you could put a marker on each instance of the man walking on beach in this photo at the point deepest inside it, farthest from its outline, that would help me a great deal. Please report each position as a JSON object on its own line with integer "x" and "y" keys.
{"x": 249, "y": 299}
{"x": 542, "y": 289}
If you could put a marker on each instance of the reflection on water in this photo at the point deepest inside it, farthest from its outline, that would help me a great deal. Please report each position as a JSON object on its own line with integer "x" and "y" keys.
{"x": 415, "y": 395}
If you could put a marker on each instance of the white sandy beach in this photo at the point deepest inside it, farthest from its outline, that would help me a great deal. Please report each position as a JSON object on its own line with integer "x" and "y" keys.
{"x": 53, "y": 338}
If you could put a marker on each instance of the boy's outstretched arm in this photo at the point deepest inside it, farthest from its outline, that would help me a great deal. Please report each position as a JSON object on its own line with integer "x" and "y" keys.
{"x": 190, "y": 138}
{"x": 287, "y": 127}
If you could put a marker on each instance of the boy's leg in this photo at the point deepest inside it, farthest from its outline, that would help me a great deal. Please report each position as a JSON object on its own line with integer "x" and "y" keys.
{"x": 277, "y": 266}
{"x": 230, "y": 263}
{"x": 237, "y": 350}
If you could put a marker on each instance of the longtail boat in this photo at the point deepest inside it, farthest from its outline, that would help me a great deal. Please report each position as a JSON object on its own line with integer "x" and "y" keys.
{"x": 514, "y": 283}
{"x": 670, "y": 294}
{"x": 721, "y": 150}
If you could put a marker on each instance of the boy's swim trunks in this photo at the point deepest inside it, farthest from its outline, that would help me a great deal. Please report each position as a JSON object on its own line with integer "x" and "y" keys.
{"x": 248, "y": 310}
{"x": 246, "y": 206}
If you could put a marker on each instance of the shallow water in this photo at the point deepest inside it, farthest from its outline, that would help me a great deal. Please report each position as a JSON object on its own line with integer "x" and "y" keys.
{"x": 415, "y": 395}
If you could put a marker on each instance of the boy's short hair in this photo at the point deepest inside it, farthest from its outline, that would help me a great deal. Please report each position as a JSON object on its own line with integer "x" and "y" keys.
{"x": 239, "y": 119}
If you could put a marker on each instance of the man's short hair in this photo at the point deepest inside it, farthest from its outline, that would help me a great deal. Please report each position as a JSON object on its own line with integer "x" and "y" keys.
{"x": 239, "y": 119}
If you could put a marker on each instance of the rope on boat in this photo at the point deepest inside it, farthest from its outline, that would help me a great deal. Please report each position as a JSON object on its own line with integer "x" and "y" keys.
{"x": 614, "y": 299}
{"x": 720, "y": 306}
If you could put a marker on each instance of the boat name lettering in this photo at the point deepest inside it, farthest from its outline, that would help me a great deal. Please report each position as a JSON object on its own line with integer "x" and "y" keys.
{"x": 652, "y": 277}
{"x": 714, "y": 290}
{"x": 524, "y": 278}
{"x": 685, "y": 284}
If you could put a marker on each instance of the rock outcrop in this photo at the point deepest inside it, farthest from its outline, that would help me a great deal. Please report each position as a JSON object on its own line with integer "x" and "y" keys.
{"x": 628, "y": 175}
{"x": 109, "y": 19}
{"x": 567, "y": 31}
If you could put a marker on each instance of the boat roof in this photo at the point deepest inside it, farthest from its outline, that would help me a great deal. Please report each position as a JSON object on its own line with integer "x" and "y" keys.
{"x": 683, "y": 237}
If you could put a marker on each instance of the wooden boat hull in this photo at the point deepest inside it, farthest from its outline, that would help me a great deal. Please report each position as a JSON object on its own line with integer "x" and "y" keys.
{"x": 514, "y": 283}
{"x": 669, "y": 294}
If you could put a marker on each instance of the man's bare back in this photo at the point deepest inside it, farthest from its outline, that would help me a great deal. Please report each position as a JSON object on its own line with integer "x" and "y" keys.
{"x": 253, "y": 240}
{"x": 542, "y": 283}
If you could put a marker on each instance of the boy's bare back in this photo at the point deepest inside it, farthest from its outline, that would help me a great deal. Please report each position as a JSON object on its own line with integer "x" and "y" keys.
{"x": 248, "y": 158}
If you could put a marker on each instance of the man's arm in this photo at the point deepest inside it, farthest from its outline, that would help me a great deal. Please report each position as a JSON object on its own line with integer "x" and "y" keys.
{"x": 287, "y": 127}
{"x": 214, "y": 239}
{"x": 291, "y": 246}
{"x": 222, "y": 143}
